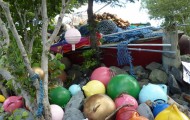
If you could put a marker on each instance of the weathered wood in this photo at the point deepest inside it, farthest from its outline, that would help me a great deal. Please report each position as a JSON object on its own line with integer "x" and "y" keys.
{"x": 171, "y": 37}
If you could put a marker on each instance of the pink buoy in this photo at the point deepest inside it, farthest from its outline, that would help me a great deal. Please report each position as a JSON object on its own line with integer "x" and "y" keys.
{"x": 12, "y": 103}
{"x": 102, "y": 74}
{"x": 56, "y": 112}
{"x": 72, "y": 36}
{"x": 124, "y": 99}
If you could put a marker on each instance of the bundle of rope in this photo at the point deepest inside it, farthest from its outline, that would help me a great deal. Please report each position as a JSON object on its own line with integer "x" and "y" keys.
{"x": 39, "y": 111}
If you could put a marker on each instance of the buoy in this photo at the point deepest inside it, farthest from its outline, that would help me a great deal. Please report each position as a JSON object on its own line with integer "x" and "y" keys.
{"x": 72, "y": 36}
{"x": 12, "y": 103}
{"x": 171, "y": 113}
{"x": 94, "y": 87}
{"x": 56, "y": 112}
{"x": 158, "y": 107}
{"x": 74, "y": 89}
{"x": 123, "y": 83}
{"x": 2, "y": 98}
{"x": 125, "y": 113}
{"x": 153, "y": 92}
{"x": 59, "y": 96}
{"x": 102, "y": 74}
{"x": 98, "y": 107}
{"x": 124, "y": 99}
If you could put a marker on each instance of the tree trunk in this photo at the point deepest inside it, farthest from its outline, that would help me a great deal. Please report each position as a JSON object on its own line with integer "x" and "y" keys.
{"x": 92, "y": 29}
{"x": 92, "y": 25}
{"x": 44, "y": 60}
{"x": 171, "y": 37}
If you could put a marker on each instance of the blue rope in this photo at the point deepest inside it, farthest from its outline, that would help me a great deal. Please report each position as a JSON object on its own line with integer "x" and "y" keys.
{"x": 41, "y": 95}
{"x": 40, "y": 103}
{"x": 34, "y": 77}
{"x": 124, "y": 56}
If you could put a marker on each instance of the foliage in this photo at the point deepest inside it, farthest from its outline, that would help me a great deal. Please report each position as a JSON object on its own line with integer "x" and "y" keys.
{"x": 90, "y": 62}
{"x": 27, "y": 18}
{"x": 56, "y": 67}
{"x": 18, "y": 114}
{"x": 172, "y": 11}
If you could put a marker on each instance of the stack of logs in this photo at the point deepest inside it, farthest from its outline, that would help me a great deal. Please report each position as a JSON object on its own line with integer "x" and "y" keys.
{"x": 118, "y": 21}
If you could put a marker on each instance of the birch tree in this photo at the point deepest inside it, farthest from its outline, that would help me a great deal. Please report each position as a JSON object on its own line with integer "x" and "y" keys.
{"x": 27, "y": 23}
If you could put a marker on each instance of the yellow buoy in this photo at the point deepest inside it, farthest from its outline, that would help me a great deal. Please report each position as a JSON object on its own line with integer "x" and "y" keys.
{"x": 2, "y": 98}
{"x": 94, "y": 87}
{"x": 171, "y": 113}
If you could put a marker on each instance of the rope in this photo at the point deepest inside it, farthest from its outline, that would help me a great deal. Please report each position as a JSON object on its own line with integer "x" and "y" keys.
{"x": 124, "y": 56}
{"x": 41, "y": 95}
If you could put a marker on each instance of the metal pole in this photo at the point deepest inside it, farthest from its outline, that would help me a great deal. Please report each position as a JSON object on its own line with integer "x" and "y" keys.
{"x": 146, "y": 50}
{"x": 110, "y": 45}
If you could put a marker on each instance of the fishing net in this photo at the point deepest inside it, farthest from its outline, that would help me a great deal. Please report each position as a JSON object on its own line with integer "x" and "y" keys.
{"x": 131, "y": 32}
{"x": 124, "y": 38}
{"x": 107, "y": 27}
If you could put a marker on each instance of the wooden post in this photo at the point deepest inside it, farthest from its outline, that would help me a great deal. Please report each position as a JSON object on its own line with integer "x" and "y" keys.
{"x": 171, "y": 37}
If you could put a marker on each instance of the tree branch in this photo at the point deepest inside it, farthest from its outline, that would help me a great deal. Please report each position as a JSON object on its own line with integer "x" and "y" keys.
{"x": 3, "y": 90}
{"x": 31, "y": 45}
{"x": 16, "y": 35}
{"x": 19, "y": 14}
{"x": 7, "y": 76}
{"x": 59, "y": 21}
{"x": 6, "y": 41}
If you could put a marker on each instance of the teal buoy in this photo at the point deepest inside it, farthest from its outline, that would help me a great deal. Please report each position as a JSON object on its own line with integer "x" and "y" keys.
{"x": 123, "y": 83}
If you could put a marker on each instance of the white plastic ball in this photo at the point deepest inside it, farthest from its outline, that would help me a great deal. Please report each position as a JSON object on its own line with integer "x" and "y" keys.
{"x": 72, "y": 36}
{"x": 56, "y": 112}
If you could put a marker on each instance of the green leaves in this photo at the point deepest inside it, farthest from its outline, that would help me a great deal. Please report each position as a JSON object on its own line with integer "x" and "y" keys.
{"x": 62, "y": 67}
{"x": 25, "y": 114}
{"x": 58, "y": 56}
{"x": 90, "y": 61}
{"x": 171, "y": 10}
{"x": 1, "y": 109}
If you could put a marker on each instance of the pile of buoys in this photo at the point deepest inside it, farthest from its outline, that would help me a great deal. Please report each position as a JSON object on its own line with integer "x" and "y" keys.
{"x": 108, "y": 96}
{"x": 126, "y": 99}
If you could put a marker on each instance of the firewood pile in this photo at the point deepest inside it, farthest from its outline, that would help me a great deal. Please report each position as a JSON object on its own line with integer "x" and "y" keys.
{"x": 118, "y": 21}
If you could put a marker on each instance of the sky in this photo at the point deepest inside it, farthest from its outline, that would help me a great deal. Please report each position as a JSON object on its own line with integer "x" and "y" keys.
{"x": 132, "y": 12}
